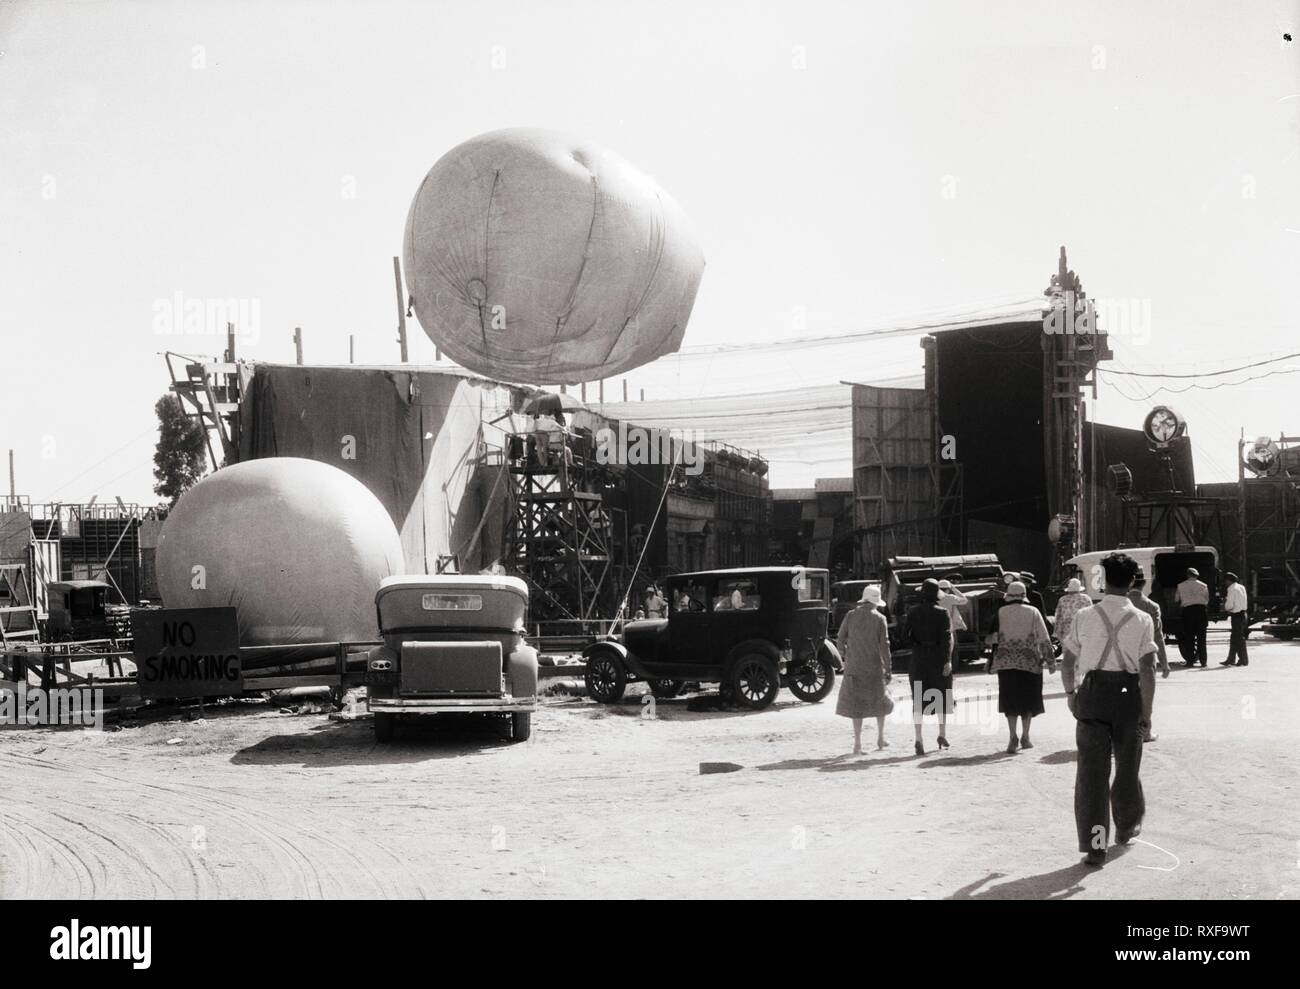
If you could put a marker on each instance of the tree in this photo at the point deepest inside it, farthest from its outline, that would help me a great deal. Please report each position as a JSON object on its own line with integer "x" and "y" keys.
{"x": 180, "y": 458}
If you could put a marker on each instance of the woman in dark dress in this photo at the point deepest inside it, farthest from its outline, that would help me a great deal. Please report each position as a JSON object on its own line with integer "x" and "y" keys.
{"x": 929, "y": 633}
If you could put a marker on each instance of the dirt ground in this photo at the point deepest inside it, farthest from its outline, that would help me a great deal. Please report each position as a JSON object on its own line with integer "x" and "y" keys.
{"x": 610, "y": 802}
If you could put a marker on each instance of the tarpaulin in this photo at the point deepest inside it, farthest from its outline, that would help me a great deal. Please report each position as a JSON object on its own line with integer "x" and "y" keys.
{"x": 534, "y": 257}
{"x": 426, "y": 443}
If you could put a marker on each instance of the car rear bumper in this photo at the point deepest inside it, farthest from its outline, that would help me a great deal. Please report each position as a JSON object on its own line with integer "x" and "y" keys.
{"x": 448, "y": 705}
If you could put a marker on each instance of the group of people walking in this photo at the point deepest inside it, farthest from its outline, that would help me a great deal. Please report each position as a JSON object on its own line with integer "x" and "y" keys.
{"x": 1111, "y": 651}
{"x": 1023, "y": 648}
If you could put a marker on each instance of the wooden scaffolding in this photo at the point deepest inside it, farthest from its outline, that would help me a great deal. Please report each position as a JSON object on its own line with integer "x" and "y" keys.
{"x": 562, "y": 538}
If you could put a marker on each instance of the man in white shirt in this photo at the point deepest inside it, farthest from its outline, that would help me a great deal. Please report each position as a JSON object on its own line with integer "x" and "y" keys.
{"x": 1234, "y": 603}
{"x": 1194, "y": 598}
{"x": 951, "y": 600}
{"x": 1108, "y": 663}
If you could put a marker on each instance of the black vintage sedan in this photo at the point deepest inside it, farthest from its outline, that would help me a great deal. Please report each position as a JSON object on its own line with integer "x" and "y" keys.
{"x": 751, "y": 631}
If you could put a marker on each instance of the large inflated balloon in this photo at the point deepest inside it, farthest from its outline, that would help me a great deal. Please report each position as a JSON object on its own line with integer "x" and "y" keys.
{"x": 533, "y": 257}
{"x": 297, "y": 546}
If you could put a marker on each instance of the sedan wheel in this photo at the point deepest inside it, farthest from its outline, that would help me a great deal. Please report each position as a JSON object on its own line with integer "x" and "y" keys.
{"x": 606, "y": 678}
{"x": 813, "y": 681}
{"x": 754, "y": 681}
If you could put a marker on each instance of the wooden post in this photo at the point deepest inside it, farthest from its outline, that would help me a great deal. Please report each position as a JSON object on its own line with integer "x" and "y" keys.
{"x": 297, "y": 343}
{"x": 643, "y": 394}
{"x": 230, "y": 343}
{"x": 401, "y": 308}
{"x": 625, "y": 389}
{"x": 13, "y": 491}
{"x": 582, "y": 391}
{"x": 601, "y": 396}
{"x": 1243, "y": 564}
{"x": 352, "y": 348}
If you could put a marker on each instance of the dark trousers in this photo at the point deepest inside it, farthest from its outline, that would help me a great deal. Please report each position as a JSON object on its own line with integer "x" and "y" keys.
{"x": 1108, "y": 707}
{"x": 1237, "y": 646}
{"x": 1191, "y": 640}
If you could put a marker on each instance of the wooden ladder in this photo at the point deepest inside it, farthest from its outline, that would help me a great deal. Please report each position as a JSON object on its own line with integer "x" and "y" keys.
{"x": 14, "y": 584}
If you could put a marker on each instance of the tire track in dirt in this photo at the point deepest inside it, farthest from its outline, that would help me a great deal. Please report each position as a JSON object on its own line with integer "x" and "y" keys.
{"x": 304, "y": 855}
{"x": 49, "y": 853}
{"x": 119, "y": 851}
{"x": 123, "y": 846}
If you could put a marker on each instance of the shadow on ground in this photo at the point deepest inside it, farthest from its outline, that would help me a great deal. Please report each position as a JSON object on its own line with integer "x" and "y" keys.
{"x": 341, "y": 743}
{"x": 689, "y": 707}
{"x": 839, "y": 763}
{"x": 1060, "y": 884}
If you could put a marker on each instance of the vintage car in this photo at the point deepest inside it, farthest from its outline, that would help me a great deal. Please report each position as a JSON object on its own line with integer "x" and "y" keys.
{"x": 452, "y": 643}
{"x": 845, "y": 595}
{"x": 751, "y": 631}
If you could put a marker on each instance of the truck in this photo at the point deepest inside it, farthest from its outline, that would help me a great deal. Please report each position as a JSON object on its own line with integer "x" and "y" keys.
{"x": 977, "y": 575}
{"x": 1165, "y": 568}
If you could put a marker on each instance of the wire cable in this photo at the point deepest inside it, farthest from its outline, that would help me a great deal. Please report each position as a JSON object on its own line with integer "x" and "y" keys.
{"x": 1200, "y": 374}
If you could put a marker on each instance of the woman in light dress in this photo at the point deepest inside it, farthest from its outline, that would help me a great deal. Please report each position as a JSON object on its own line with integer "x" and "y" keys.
{"x": 863, "y": 642}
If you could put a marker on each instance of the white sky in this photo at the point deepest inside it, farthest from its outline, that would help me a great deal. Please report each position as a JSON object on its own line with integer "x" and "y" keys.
{"x": 1159, "y": 141}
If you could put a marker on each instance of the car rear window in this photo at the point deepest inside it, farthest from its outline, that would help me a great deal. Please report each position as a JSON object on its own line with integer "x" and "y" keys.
{"x": 452, "y": 602}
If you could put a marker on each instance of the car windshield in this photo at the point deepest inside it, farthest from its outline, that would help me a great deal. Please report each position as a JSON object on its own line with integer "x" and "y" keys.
{"x": 692, "y": 597}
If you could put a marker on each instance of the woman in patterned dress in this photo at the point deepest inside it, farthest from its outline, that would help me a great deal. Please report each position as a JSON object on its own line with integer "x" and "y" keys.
{"x": 1023, "y": 648}
{"x": 1072, "y": 601}
{"x": 863, "y": 641}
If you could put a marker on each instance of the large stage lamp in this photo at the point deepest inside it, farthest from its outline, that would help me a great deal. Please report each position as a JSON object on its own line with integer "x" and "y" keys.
{"x": 1261, "y": 457}
{"x": 1163, "y": 426}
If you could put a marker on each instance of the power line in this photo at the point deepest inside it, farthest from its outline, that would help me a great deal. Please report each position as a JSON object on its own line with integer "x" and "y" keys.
{"x": 1199, "y": 374}
{"x": 1222, "y": 384}
{"x": 104, "y": 459}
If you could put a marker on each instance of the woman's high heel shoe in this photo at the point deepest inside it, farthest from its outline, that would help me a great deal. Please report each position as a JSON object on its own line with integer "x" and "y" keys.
{"x": 943, "y": 743}
{"x": 920, "y": 749}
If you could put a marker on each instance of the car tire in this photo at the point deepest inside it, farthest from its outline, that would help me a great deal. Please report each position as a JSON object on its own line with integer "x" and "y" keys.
{"x": 812, "y": 681}
{"x": 521, "y": 725}
{"x": 664, "y": 689}
{"x": 385, "y": 727}
{"x": 754, "y": 681}
{"x": 606, "y": 677}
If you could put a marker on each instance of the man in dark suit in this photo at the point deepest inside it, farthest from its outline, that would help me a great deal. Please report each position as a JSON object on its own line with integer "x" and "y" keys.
{"x": 1033, "y": 596}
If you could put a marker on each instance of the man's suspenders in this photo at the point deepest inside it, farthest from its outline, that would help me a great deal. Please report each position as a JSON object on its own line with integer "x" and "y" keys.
{"x": 1112, "y": 636}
